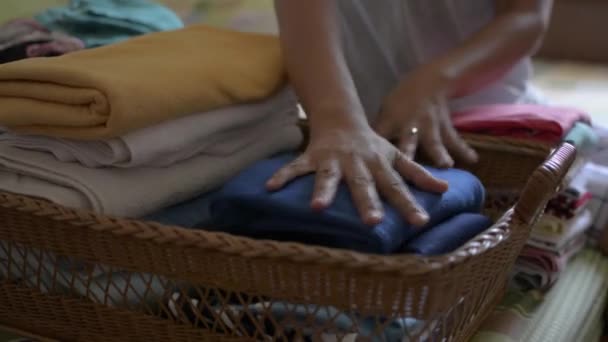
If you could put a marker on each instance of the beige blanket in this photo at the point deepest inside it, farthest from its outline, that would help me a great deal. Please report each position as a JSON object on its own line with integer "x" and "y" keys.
{"x": 133, "y": 192}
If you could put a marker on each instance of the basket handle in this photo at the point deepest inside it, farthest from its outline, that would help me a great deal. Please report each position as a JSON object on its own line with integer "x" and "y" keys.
{"x": 544, "y": 183}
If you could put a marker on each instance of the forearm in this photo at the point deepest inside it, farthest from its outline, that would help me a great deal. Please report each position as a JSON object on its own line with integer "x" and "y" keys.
{"x": 316, "y": 64}
{"x": 514, "y": 34}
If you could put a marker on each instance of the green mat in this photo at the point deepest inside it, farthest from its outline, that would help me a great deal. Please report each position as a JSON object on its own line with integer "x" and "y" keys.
{"x": 570, "y": 312}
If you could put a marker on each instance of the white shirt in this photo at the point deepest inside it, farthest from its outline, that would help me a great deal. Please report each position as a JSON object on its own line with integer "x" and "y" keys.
{"x": 385, "y": 39}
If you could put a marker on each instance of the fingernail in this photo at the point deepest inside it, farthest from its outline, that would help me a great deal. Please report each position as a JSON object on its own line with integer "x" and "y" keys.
{"x": 446, "y": 163}
{"x": 319, "y": 204}
{"x": 420, "y": 218}
{"x": 473, "y": 156}
{"x": 272, "y": 184}
{"x": 444, "y": 185}
{"x": 374, "y": 217}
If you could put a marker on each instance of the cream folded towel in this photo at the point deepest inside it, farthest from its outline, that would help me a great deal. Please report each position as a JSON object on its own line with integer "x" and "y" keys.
{"x": 134, "y": 192}
{"x": 571, "y": 229}
{"x": 219, "y": 132}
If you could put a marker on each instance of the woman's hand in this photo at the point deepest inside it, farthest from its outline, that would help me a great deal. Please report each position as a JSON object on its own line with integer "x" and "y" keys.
{"x": 369, "y": 164}
{"x": 416, "y": 114}
{"x": 342, "y": 144}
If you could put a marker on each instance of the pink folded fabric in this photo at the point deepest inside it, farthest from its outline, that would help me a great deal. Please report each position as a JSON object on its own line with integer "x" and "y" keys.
{"x": 537, "y": 268}
{"x": 26, "y": 38}
{"x": 536, "y": 122}
{"x": 551, "y": 261}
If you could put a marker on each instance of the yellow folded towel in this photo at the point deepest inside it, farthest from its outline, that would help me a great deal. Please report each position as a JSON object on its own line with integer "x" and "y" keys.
{"x": 112, "y": 90}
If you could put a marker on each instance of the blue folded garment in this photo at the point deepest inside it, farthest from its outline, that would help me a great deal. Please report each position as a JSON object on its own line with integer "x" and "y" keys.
{"x": 103, "y": 22}
{"x": 448, "y": 235}
{"x": 244, "y": 207}
{"x": 189, "y": 214}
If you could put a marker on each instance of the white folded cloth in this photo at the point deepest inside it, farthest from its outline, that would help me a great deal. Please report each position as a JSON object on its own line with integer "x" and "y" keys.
{"x": 218, "y": 132}
{"x": 595, "y": 178}
{"x": 136, "y": 192}
{"x": 572, "y": 228}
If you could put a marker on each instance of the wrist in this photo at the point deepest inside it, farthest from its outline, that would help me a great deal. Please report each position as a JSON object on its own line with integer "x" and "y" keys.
{"x": 332, "y": 116}
{"x": 426, "y": 81}
{"x": 436, "y": 77}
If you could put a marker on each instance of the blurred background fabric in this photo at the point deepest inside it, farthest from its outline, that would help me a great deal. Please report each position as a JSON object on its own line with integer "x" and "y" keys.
{"x": 243, "y": 15}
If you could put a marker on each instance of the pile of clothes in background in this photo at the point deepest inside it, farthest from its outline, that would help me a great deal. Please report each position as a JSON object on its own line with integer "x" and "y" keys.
{"x": 563, "y": 231}
{"x": 559, "y": 284}
{"x": 26, "y": 38}
{"x": 560, "y": 281}
{"x": 573, "y": 220}
{"x": 595, "y": 175}
{"x": 559, "y": 236}
{"x": 82, "y": 24}
{"x": 539, "y": 124}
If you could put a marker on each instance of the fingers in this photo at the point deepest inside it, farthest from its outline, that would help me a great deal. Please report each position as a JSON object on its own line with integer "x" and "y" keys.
{"x": 430, "y": 139}
{"x": 395, "y": 191}
{"x": 418, "y": 175}
{"x": 297, "y": 168}
{"x": 326, "y": 184}
{"x": 384, "y": 127}
{"x": 409, "y": 143}
{"x": 457, "y": 146}
{"x": 363, "y": 191}
{"x": 390, "y": 120}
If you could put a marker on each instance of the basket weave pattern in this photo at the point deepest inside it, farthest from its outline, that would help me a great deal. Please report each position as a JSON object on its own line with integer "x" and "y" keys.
{"x": 75, "y": 276}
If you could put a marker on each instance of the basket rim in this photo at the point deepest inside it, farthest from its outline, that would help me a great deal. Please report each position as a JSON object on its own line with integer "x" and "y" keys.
{"x": 174, "y": 236}
{"x": 508, "y": 144}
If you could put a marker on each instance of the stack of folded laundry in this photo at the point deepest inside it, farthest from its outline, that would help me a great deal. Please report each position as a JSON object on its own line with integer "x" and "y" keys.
{"x": 82, "y": 24}
{"x": 130, "y": 128}
{"x": 26, "y": 38}
{"x": 595, "y": 178}
{"x": 554, "y": 241}
{"x": 596, "y": 175}
{"x": 544, "y": 124}
{"x": 244, "y": 207}
{"x": 103, "y": 22}
{"x": 561, "y": 233}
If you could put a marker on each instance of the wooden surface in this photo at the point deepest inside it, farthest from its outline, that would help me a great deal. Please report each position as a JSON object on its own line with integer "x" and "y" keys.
{"x": 578, "y": 31}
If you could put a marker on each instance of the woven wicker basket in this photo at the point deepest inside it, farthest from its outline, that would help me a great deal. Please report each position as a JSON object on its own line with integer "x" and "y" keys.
{"x": 74, "y": 276}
